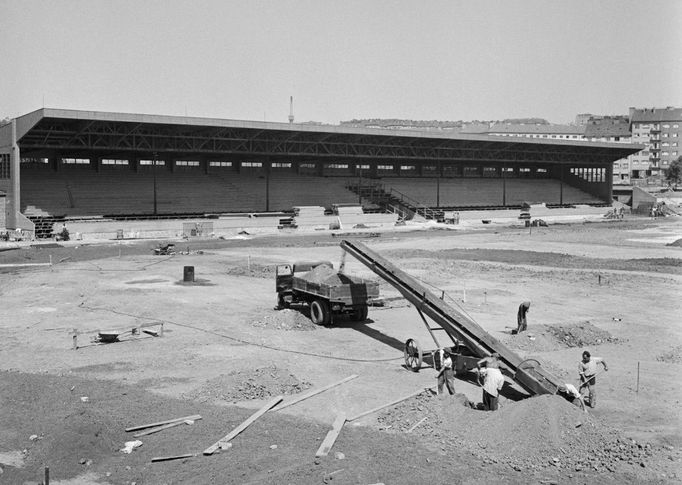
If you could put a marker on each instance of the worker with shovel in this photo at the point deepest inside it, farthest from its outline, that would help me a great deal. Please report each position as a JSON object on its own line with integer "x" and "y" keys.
{"x": 587, "y": 369}
{"x": 493, "y": 381}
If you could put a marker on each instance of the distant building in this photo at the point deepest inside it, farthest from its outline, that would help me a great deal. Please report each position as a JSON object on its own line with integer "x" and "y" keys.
{"x": 554, "y": 132}
{"x": 613, "y": 129}
{"x": 659, "y": 130}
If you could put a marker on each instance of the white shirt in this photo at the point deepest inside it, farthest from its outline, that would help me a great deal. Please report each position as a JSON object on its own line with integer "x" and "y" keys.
{"x": 493, "y": 380}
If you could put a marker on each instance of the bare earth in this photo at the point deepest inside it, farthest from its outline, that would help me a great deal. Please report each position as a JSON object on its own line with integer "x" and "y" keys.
{"x": 611, "y": 288}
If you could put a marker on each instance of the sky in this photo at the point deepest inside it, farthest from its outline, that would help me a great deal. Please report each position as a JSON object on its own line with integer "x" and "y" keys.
{"x": 442, "y": 60}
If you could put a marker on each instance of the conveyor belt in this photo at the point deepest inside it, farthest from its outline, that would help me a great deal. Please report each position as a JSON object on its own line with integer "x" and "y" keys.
{"x": 527, "y": 373}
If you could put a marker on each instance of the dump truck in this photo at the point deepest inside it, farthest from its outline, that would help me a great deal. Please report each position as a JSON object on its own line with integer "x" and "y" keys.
{"x": 324, "y": 290}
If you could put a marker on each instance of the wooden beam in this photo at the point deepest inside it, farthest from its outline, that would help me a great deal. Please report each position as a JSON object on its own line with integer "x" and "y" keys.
{"x": 168, "y": 458}
{"x": 270, "y": 404}
{"x": 378, "y": 408}
{"x": 328, "y": 442}
{"x": 162, "y": 427}
{"x": 313, "y": 393}
{"x": 193, "y": 417}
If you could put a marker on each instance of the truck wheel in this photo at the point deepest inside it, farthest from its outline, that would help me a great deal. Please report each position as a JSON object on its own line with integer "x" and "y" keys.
{"x": 320, "y": 313}
{"x": 360, "y": 314}
{"x": 413, "y": 355}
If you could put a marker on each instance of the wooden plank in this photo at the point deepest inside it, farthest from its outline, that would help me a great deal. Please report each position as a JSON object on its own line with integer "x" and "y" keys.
{"x": 378, "y": 408}
{"x": 418, "y": 423}
{"x": 313, "y": 393}
{"x": 193, "y": 417}
{"x": 161, "y": 428}
{"x": 329, "y": 440}
{"x": 168, "y": 458}
{"x": 270, "y": 404}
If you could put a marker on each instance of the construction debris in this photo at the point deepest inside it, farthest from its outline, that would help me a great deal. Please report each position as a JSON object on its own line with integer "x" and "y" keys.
{"x": 217, "y": 445}
{"x": 193, "y": 417}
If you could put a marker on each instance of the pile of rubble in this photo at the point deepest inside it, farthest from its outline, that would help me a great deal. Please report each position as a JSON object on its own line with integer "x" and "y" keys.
{"x": 261, "y": 383}
{"x": 530, "y": 435}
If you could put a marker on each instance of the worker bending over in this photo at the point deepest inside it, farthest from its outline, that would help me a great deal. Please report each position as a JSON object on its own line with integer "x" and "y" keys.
{"x": 521, "y": 317}
{"x": 446, "y": 376}
{"x": 587, "y": 369}
{"x": 493, "y": 380}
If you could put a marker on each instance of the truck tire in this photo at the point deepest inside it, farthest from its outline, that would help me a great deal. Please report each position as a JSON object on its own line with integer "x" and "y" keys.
{"x": 320, "y": 313}
{"x": 360, "y": 314}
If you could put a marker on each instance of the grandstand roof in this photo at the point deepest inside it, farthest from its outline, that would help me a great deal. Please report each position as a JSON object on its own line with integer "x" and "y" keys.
{"x": 48, "y": 130}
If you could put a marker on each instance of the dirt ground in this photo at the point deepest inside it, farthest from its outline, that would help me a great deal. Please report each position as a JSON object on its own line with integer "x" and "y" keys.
{"x": 611, "y": 288}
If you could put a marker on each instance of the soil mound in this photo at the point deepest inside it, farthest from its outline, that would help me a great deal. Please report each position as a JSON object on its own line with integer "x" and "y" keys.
{"x": 532, "y": 434}
{"x": 286, "y": 319}
{"x": 541, "y": 338}
{"x": 261, "y": 383}
{"x": 674, "y": 356}
{"x": 677, "y": 243}
{"x": 253, "y": 270}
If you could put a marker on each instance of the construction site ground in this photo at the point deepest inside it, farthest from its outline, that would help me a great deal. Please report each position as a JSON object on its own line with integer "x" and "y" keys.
{"x": 611, "y": 288}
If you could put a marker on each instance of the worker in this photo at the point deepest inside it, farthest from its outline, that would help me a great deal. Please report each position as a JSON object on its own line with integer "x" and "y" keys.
{"x": 493, "y": 380}
{"x": 446, "y": 376}
{"x": 587, "y": 369}
{"x": 521, "y": 317}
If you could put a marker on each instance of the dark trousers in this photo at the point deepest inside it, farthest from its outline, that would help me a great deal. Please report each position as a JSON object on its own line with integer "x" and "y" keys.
{"x": 447, "y": 379}
{"x": 489, "y": 401}
{"x": 590, "y": 390}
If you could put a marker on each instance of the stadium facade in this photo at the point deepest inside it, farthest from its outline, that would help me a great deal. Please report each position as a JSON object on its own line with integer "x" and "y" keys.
{"x": 68, "y": 163}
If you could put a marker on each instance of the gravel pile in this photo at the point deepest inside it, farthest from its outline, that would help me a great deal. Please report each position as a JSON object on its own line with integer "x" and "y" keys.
{"x": 544, "y": 432}
{"x": 285, "y": 319}
{"x": 323, "y": 274}
{"x": 261, "y": 383}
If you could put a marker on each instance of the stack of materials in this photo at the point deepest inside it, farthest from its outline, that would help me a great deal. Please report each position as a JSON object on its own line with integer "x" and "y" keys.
{"x": 311, "y": 218}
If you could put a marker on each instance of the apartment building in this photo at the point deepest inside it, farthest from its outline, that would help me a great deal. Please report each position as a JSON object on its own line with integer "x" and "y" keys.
{"x": 659, "y": 129}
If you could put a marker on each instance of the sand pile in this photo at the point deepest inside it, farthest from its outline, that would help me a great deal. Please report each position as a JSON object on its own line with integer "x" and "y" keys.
{"x": 532, "y": 434}
{"x": 261, "y": 383}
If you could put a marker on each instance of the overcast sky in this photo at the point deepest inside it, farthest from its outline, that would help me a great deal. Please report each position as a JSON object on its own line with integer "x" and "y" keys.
{"x": 344, "y": 59}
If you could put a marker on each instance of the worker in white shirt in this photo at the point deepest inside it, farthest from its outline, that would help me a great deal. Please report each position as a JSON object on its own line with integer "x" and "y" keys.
{"x": 493, "y": 380}
{"x": 446, "y": 376}
{"x": 587, "y": 369}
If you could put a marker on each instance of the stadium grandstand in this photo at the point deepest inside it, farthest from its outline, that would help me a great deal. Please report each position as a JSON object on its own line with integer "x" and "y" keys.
{"x": 67, "y": 165}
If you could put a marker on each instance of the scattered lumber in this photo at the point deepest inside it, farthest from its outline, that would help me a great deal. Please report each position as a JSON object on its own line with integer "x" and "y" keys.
{"x": 217, "y": 445}
{"x": 168, "y": 458}
{"x": 329, "y": 440}
{"x": 313, "y": 393}
{"x": 378, "y": 408}
{"x": 193, "y": 417}
{"x": 162, "y": 427}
